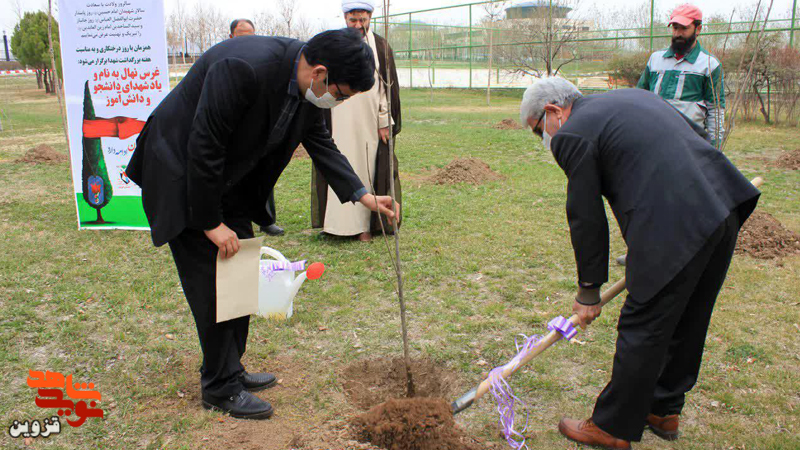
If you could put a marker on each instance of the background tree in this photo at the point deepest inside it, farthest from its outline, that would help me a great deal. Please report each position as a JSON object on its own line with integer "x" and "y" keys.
{"x": 29, "y": 45}
{"x": 96, "y": 187}
{"x": 547, "y": 39}
{"x": 494, "y": 13}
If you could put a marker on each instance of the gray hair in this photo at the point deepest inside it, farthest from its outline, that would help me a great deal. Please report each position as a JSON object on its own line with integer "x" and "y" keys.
{"x": 543, "y": 91}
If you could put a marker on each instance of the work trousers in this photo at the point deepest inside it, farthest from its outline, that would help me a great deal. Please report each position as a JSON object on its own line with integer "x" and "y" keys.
{"x": 661, "y": 340}
{"x": 224, "y": 343}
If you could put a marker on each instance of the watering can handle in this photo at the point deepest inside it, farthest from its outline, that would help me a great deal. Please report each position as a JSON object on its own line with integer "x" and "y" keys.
{"x": 274, "y": 253}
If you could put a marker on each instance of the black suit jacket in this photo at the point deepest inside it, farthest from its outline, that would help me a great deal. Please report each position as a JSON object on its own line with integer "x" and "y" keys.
{"x": 668, "y": 188}
{"x": 208, "y": 147}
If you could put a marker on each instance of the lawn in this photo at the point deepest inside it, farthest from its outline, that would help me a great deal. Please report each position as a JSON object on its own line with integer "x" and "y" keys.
{"x": 482, "y": 264}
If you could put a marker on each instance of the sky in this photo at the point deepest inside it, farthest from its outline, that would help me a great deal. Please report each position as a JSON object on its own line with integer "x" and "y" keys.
{"x": 328, "y": 13}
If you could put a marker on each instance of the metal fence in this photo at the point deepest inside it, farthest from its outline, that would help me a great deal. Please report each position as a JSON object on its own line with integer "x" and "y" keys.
{"x": 451, "y": 46}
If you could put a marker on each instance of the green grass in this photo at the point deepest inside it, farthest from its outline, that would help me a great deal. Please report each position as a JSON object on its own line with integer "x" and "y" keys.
{"x": 482, "y": 264}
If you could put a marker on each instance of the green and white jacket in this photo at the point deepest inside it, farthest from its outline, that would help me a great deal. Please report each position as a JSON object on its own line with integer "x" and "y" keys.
{"x": 687, "y": 84}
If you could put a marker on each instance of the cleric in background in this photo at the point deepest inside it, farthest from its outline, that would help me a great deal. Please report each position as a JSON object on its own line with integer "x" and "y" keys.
{"x": 208, "y": 159}
{"x": 679, "y": 204}
{"x": 362, "y": 129}
{"x": 244, "y": 27}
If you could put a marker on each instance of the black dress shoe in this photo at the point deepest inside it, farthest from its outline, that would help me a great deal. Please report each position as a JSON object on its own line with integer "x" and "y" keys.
{"x": 272, "y": 230}
{"x": 257, "y": 381}
{"x": 243, "y": 405}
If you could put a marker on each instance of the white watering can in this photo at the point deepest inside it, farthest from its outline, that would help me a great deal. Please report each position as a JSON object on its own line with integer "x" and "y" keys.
{"x": 277, "y": 284}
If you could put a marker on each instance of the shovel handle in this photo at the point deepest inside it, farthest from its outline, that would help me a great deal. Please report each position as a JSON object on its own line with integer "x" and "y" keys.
{"x": 550, "y": 339}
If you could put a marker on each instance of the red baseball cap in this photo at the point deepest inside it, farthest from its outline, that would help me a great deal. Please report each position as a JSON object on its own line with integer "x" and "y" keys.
{"x": 685, "y": 15}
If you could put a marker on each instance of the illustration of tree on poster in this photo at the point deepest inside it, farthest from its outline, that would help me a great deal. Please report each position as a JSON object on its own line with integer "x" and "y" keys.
{"x": 115, "y": 73}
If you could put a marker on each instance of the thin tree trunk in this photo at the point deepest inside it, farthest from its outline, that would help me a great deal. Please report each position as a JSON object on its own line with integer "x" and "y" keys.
{"x": 55, "y": 73}
{"x": 761, "y": 100}
{"x": 410, "y": 391}
{"x": 489, "y": 74}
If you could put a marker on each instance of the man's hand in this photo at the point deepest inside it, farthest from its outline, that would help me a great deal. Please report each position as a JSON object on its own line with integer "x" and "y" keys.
{"x": 383, "y": 133}
{"x": 586, "y": 313}
{"x": 379, "y": 203}
{"x": 224, "y": 238}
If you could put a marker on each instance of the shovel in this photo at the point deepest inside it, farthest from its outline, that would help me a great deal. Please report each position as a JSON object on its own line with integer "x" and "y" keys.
{"x": 466, "y": 400}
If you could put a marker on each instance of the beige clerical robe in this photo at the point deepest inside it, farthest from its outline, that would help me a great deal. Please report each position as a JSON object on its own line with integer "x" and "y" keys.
{"x": 355, "y": 132}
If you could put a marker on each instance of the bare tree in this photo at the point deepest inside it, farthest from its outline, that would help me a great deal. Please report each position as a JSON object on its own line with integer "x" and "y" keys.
{"x": 548, "y": 37}
{"x": 286, "y": 13}
{"x": 494, "y": 12}
{"x": 16, "y": 9}
{"x": 266, "y": 23}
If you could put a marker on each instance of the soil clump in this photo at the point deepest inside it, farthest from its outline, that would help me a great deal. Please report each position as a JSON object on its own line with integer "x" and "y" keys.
{"x": 764, "y": 237}
{"x": 465, "y": 170}
{"x": 43, "y": 154}
{"x": 412, "y": 424}
{"x": 508, "y": 124}
{"x": 369, "y": 382}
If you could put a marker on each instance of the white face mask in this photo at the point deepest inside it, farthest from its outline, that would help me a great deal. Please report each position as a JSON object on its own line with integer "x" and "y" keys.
{"x": 545, "y": 135}
{"x": 327, "y": 101}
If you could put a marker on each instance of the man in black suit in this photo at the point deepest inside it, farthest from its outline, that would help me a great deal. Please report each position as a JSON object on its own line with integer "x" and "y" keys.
{"x": 679, "y": 204}
{"x": 207, "y": 161}
{"x": 244, "y": 27}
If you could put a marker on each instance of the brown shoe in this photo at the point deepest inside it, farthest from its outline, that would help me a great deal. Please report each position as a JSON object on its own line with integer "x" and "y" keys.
{"x": 664, "y": 427}
{"x": 586, "y": 432}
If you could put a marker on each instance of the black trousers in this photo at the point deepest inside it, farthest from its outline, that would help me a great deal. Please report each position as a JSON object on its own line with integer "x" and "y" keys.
{"x": 661, "y": 340}
{"x": 223, "y": 344}
{"x": 273, "y": 216}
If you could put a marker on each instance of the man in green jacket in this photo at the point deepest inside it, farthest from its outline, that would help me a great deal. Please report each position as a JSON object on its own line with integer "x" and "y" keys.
{"x": 687, "y": 76}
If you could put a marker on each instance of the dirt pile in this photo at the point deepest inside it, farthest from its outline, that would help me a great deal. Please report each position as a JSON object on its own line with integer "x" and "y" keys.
{"x": 789, "y": 160}
{"x": 764, "y": 237}
{"x": 43, "y": 154}
{"x": 412, "y": 424}
{"x": 369, "y": 382}
{"x": 465, "y": 170}
{"x": 508, "y": 124}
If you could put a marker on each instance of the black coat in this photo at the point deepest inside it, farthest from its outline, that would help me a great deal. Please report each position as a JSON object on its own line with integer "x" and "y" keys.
{"x": 207, "y": 144}
{"x": 668, "y": 187}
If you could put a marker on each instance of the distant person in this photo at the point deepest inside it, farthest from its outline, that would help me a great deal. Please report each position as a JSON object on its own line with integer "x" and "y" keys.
{"x": 244, "y": 27}
{"x": 688, "y": 76}
{"x": 679, "y": 204}
{"x": 208, "y": 159}
{"x": 361, "y": 129}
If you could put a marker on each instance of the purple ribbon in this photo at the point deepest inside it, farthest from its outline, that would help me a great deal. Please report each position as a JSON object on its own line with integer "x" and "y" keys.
{"x": 563, "y": 326}
{"x": 269, "y": 267}
{"x": 504, "y": 396}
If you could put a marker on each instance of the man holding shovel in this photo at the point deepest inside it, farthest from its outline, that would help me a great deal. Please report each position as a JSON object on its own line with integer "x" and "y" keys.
{"x": 679, "y": 204}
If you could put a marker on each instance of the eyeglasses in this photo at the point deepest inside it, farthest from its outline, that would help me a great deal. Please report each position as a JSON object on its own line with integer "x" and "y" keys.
{"x": 342, "y": 96}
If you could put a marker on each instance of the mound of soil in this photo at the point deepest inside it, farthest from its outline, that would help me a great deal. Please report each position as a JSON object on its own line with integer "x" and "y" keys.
{"x": 508, "y": 124}
{"x": 465, "y": 170}
{"x": 789, "y": 160}
{"x": 412, "y": 424}
{"x": 43, "y": 154}
{"x": 369, "y": 382}
{"x": 764, "y": 237}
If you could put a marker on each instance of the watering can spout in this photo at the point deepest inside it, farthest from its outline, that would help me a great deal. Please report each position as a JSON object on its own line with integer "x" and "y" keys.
{"x": 314, "y": 271}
